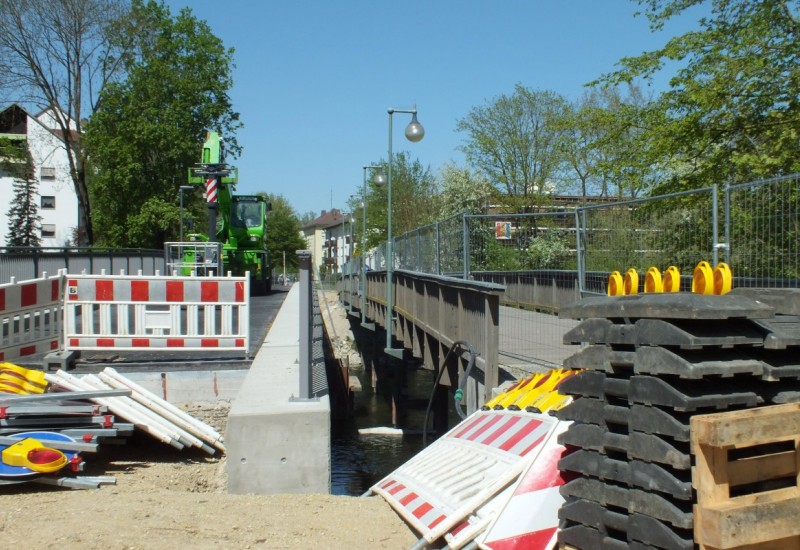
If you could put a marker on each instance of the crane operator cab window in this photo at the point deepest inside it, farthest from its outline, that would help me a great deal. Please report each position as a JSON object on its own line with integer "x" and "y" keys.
{"x": 247, "y": 214}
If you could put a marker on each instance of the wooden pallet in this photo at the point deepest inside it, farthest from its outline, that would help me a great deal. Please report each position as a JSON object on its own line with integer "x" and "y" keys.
{"x": 747, "y": 478}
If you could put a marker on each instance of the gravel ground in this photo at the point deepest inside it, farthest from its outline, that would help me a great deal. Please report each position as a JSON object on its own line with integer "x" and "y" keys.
{"x": 165, "y": 498}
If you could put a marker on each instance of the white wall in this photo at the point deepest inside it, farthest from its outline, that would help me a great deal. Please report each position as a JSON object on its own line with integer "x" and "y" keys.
{"x": 47, "y": 151}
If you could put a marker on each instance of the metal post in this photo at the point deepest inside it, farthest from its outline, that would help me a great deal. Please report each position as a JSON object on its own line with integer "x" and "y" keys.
{"x": 182, "y": 189}
{"x": 306, "y": 323}
{"x": 389, "y": 246}
{"x": 727, "y": 224}
{"x": 465, "y": 232}
{"x": 714, "y": 221}
{"x": 438, "y": 269}
{"x": 414, "y": 133}
{"x": 350, "y": 263}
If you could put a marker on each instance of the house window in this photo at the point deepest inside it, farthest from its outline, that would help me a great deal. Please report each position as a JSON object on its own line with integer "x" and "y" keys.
{"x": 48, "y": 173}
{"x": 48, "y": 230}
{"x": 48, "y": 203}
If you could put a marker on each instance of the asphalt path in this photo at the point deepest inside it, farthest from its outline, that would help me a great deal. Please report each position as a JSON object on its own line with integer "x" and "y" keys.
{"x": 263, "y": 310}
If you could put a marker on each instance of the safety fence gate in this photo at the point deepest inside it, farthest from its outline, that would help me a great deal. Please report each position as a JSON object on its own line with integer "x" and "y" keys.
{"x": 140, "y": 312}
{"x": 30, "y": 315}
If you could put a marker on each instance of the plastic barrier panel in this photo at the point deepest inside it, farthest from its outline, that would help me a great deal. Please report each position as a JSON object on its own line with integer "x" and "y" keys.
{"x": 30, "y": 313}
{"x": 140, "y": 312}
{"x": 463, "y": 469}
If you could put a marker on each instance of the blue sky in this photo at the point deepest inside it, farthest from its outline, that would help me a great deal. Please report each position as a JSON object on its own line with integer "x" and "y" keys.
{"x": 314, "y": 78}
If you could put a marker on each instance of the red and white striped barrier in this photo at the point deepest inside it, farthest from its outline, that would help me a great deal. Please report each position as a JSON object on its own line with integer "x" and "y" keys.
{"x": 465, "y": 468}
{"x": 140, "y": 312}
{"x": 30, "y": 313}
{"x": 529, "y": 519}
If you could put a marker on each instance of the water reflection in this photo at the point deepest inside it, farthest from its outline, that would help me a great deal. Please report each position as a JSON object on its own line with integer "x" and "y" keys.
{"x": 359, "y": 461}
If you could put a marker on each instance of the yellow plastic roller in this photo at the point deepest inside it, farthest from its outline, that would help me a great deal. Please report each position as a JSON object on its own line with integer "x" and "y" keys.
{"x": 723, "y": 279}
{"x": 672, "y": 279}
{"x": 652, "y": 280}
{"x": 703, "y": 279}
{"x": 615, "y": 284}
{"x": 631, "y": 282}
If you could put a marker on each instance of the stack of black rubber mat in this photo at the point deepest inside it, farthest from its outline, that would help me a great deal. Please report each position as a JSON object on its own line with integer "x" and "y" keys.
{"x": 652, "y": 361}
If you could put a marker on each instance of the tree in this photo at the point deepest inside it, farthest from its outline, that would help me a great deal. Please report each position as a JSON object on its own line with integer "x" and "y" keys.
{"x": 462, "y": 191}
{"x": 24, "y": 221}
{"x": 732, "y": 111}
{"x": 414, "y": 200}
{"x": 58, "y": 56}
{"x": 283, "y": 232}
{"x": 514, "y": 142}
{"x": 149, "y": 128}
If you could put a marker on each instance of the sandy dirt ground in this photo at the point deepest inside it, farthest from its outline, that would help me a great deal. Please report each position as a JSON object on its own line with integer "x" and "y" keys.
{"x": 165, "y": 498}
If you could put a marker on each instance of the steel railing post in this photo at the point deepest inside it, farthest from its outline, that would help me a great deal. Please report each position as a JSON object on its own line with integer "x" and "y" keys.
{"x": 465, "y": 231}
{"x": 306, "y": 323}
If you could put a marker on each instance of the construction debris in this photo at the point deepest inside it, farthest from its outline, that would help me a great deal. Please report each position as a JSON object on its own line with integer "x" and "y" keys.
{"x": 73, "y": 415}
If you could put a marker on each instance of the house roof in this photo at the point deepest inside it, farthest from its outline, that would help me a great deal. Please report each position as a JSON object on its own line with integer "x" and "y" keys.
{"x": 325, "y": 220}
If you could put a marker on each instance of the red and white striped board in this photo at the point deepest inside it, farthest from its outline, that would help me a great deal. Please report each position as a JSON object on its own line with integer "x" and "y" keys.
{"x": 529, "y": 519}
{"x": 462, "y": 470}
{"x": 30, "y": 311}
{"x": 126, "y": 312}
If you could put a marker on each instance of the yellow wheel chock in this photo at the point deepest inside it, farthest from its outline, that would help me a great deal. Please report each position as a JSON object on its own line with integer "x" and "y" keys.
{"x": 615, "y": 284}
{"x": 631, "y": 284}
{"x": 723, "y": 279}
{"x": 672, "y": 279}
{"x": 703, "y": 279}
{"x": 652, "y": 280}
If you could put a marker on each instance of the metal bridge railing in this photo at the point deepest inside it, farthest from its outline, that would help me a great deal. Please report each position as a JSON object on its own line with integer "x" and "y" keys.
{"x": 548, "y": 259}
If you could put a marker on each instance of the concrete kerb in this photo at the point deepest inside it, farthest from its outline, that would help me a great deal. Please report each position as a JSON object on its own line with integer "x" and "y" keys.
{"x": 275, "y": 445}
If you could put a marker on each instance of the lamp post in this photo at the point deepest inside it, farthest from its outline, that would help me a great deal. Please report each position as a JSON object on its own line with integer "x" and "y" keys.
{"x": 183, "y": 188}
{"x": 363, "y": 281}
{"x": 414, "y": 133}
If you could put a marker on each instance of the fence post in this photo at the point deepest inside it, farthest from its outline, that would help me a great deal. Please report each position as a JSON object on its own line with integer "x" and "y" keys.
{"x": 714, "y": 228}
{"x": 728, "y": 224}
{"x": 306, "y": 323}
{"x": 580, "y": 223}
{"x": 438, "y": 269}
{"x": 465, "y": 236}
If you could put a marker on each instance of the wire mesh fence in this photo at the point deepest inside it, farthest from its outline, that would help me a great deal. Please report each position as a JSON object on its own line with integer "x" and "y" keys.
{"x": 670, "y": 230}
{"x": 550, "y": 259}
{"x": 761, "y": 232}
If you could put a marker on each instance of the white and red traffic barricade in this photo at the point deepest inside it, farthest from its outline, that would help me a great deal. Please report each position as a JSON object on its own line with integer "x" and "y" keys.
{"x": 30, "y": 312}
{"x": 128, "y": 312}
{"x": 529, "y": 518}
{"x": 460, "y": 472}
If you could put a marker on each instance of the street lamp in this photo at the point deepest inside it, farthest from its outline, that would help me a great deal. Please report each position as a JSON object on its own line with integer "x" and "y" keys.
{"x": 414, "y": 133}
{"x": 363, "y": 282}
{"x": 183, "y": 188}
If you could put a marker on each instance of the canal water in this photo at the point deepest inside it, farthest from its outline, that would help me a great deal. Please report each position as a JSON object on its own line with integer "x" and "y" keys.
{"x": 360, "y": 461}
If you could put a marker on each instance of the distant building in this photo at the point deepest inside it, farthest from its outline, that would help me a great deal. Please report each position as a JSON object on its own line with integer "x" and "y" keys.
{"x": 57, "y": 200}
{"x": 329, "y": 237}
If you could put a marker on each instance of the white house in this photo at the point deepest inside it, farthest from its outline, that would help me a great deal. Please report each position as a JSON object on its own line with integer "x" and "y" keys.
{"x": 57, "y": 200}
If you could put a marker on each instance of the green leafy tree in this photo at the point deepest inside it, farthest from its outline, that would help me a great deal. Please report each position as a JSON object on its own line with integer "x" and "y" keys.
{"x": 24, "y": 222}
{"x": 59, "y": 56}
{"x": 602, "y": 146}
{"x": 150, "y": 127}
{"x": 462, "y": 191}
{"x": 732, "y": 111}
{"x": 283, "y": 233}
{"x": 414, "y": 200}
{"x": 515, "y": 143}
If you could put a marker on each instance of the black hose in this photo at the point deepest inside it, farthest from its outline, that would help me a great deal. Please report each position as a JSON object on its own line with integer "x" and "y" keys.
{"x": 459, "y": 391}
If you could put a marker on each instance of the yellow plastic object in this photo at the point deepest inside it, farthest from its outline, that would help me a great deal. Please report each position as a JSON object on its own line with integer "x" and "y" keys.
{"x": 672, "y": 279}
{"x": 723, "y": 279}
{"x": 652, "y": 281}
{"x": 703, "y": 279}
{"x": 615, "y": 284}
{"x": 30, "y": 453}
{"x": 631, "y": 284}
{"x": 16, "y": 379}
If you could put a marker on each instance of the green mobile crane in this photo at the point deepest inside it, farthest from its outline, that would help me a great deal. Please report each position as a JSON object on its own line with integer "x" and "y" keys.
{"x": 238, "y": 222}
